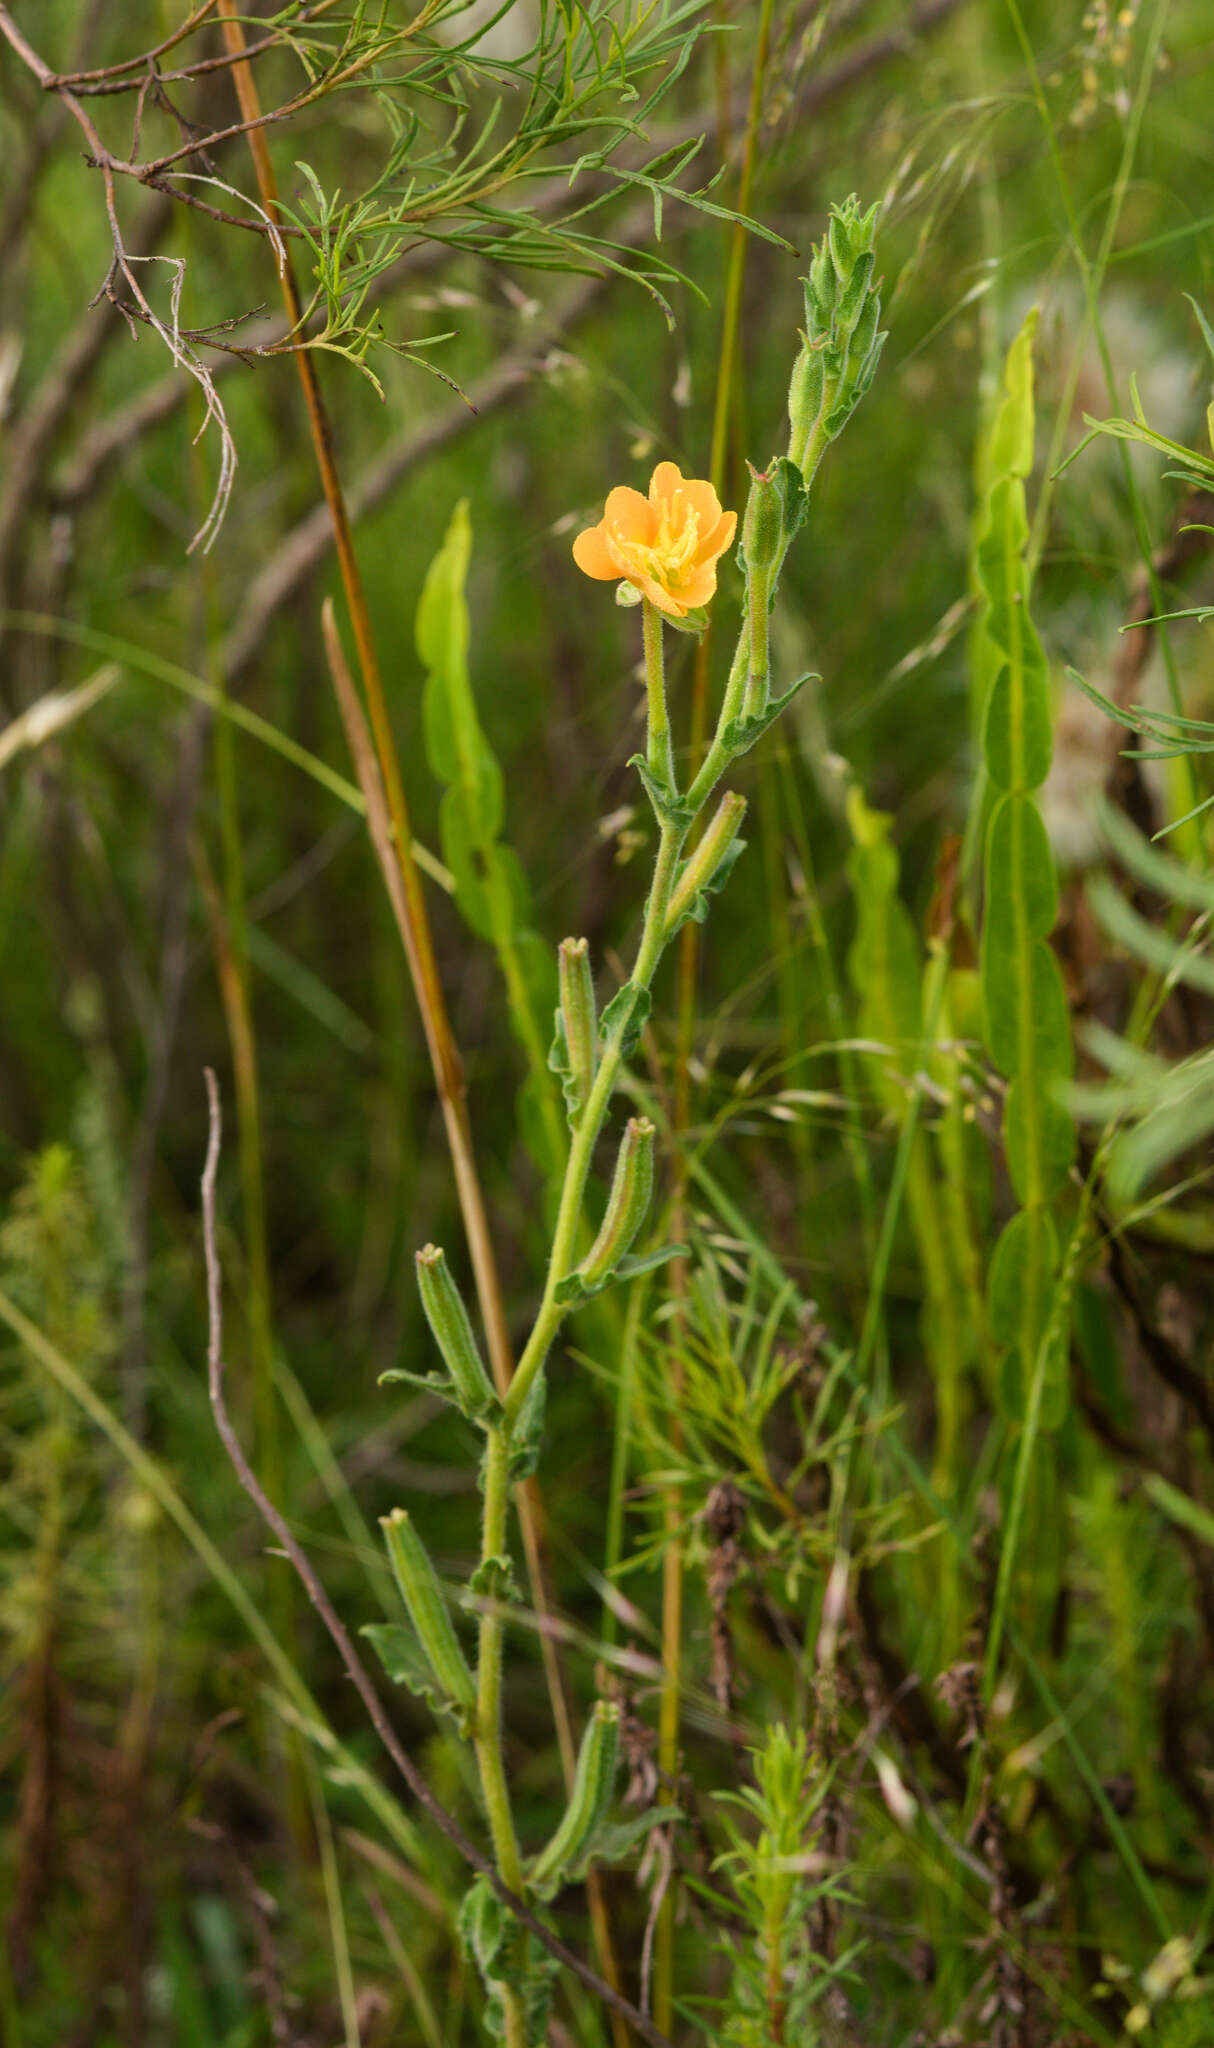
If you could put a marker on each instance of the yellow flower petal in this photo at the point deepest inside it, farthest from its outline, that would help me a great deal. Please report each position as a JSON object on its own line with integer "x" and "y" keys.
{"x": 591, "y": 554}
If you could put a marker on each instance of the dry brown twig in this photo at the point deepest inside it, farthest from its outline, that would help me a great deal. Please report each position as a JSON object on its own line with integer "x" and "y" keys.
{"x": 122, "y": 265}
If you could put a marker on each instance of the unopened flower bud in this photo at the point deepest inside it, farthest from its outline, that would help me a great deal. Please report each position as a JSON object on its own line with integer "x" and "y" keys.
{"x": 627, "y": 1203}
{"x": 706, "y": 862}
{"x": 589, "y": 1800}
{"x": 427, "y": 1610}
{"x": 763, "y": 522}
{"x": 578, "y": 1021}
{"x": 452, "y": 1331}
{"x": 805, "y": 396}
{"x": 842, "y": 342}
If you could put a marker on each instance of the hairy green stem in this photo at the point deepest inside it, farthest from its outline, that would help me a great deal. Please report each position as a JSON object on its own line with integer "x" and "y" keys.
{"x": 488, "y": 1736}
{"x": 660, "y": 752}
{"x": 551, "y": 1313}
{"x": 758, "y": 605}
{"x": 674, "y": 836}
{"x": 489, "y": 1672}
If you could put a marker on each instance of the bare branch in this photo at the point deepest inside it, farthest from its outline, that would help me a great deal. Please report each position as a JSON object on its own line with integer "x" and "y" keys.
{"x": 300, "y": 552}
{"x": 122, "y": 264}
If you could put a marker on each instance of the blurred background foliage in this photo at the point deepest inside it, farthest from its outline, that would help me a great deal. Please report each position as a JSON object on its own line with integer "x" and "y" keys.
{"x": 175, "y": 1869}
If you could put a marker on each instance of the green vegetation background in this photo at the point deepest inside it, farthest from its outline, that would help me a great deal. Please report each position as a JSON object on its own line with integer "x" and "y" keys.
{"x": 157, "y": 1887}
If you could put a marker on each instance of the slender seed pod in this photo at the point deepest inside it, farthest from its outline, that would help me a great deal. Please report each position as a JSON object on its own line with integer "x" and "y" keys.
{"x": 590, "y": 1798}
{"x": 427, "y": 1609}
{"x": 705, "y": 863}
{"x": 626, "y": 1205}
{"x": 448, "y": 1319}
{"x": 805, "y": 394}
{"x": 580, "y": 1022}
{"x": 763, "y": 522}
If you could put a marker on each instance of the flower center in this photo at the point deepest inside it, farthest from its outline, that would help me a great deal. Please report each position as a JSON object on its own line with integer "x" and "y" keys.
{"x": 669, "y": 558}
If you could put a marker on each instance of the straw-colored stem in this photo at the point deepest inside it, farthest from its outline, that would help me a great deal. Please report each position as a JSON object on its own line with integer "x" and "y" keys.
{"x": 689, "y": 953}
{"x": 418, "y": 944}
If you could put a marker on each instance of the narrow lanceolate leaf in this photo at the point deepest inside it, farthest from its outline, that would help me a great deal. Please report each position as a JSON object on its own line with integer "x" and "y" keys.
{"x": 1024, "y": 1001}
{"x": 588, "y": 1802}
{"x": 427, "y": 1610}
{"x": 452, "y": 1332}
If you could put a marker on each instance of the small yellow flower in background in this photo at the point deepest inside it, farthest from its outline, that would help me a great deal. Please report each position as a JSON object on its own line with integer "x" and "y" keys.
{"x": 667, "y": 545}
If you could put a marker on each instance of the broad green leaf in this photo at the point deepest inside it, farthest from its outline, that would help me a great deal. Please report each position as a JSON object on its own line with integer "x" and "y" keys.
{"x": 1027, "y": 1025}
{"x": 457, "y": 749}
{"x": 490, "y": 886}
{"x": 1017, "y": 734}
{"x": 884, "y": 962}
{"x": 1020, "y": 864}
{"x": 1021, "y": 1283}
{"x": 1010, "y": 448}
{"x": 1040, "y": 1139}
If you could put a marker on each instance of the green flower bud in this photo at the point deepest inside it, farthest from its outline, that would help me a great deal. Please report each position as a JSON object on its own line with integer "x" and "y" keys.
{"x": 589, "y": 1800}
{"x": 427, "y": 1610}
{"x": 821, "y": 287}
{"x": 805, "y": 394}
{"x": 763, "y": 520}
{"x": 627, "y": 1203}
{"x": 842, "y": 310}
{"x": 704, "y": 866}
{"x": 448, "y": 1320}
{"x": 857, "y": 291}
{"x": 839, "y": 242}
{"x": 579, "y": 1022}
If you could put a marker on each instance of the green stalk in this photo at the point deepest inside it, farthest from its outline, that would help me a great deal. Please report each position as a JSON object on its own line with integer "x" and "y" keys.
{"x": 660, "y": 752}
{"x": 552, "y": 1313}
{"x": 1091, "y": 276}
{"x": 489, "y": 1673}
{"x": 488, "y": 1737}
{"x": 613, "y": 1547}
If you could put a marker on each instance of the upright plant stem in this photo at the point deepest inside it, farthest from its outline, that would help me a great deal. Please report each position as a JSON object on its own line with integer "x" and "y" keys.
{"x": 672, "y": 1557}
{"x": 489, "y": 1758}
{"x": 661, "y": 753}
{"x": 419, "y": 951}
{"x": 551, "y": 1313}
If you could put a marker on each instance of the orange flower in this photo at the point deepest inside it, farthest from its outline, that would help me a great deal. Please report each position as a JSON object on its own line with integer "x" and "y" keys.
{"x": 667, "y": 545}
